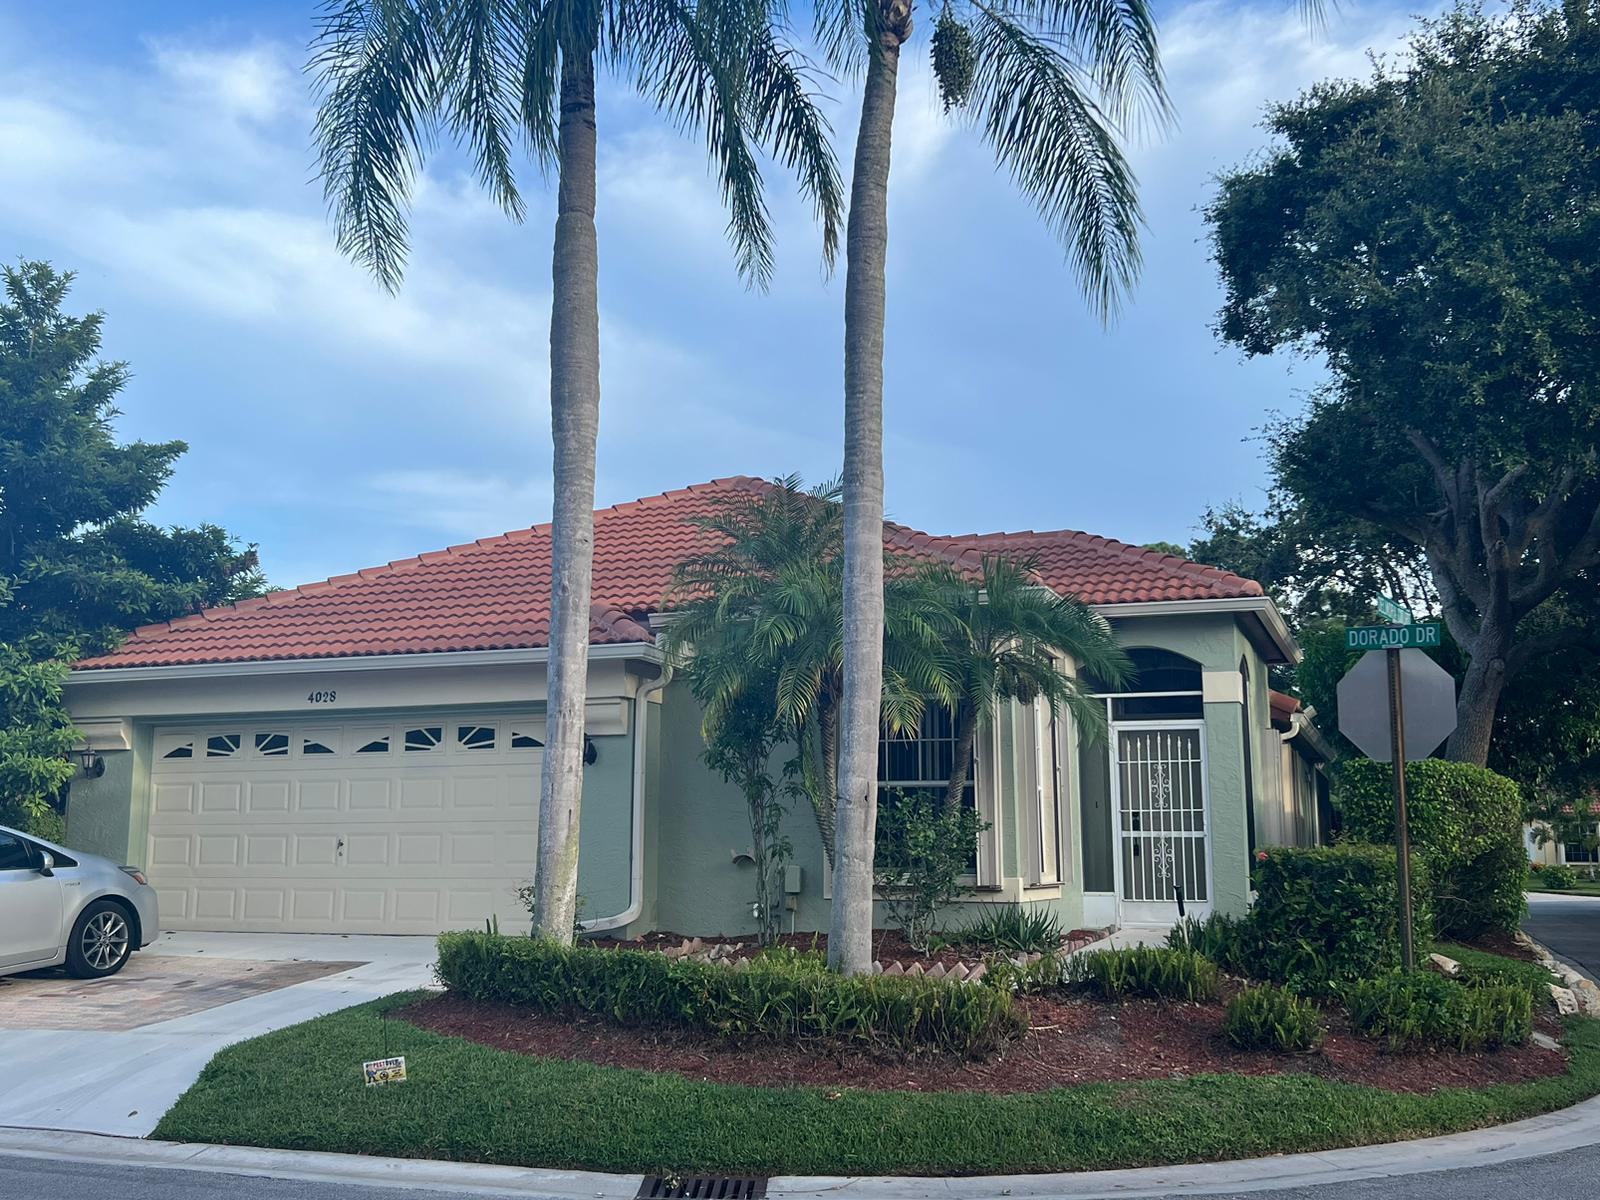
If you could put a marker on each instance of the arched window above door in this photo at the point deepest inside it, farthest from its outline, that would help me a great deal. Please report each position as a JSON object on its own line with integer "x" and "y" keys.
{"x": 1163, "y": 686}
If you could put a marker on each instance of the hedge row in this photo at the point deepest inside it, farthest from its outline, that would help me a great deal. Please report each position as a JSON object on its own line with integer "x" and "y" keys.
{"x": 770, "y": 1000}
{"x": 1465, "y": 824}
{"x": 1322, "y": 918}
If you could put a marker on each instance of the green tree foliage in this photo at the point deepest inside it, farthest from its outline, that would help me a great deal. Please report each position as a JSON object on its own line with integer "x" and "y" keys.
{"x": 78, "y": 564}
{"x": 1007, "y": 638}
{"x": 765, "y": 602}
{"x": 1429, "y": 234}
{"x": 1466, "y": 829}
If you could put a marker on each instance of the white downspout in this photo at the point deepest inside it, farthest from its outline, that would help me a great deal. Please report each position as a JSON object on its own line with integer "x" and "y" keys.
{"x": 641, "y": 728}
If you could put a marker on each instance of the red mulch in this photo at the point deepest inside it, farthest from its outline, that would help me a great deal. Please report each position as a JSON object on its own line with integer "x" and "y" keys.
{"x": 888, "y": 945}
{"x": 1070, "y": 1041}
{"x": 1504, "y": 944}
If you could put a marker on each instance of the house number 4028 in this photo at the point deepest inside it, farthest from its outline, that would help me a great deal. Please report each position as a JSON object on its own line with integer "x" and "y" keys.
{"x": 327, "y": 697}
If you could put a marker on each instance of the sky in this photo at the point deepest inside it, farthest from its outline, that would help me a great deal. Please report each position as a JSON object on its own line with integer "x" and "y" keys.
{"x": 164, "y": 154}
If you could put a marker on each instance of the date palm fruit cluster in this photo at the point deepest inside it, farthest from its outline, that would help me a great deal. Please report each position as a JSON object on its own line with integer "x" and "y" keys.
{"x": 953, "y": 59}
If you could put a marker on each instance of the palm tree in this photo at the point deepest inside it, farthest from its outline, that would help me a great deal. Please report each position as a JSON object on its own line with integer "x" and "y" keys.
{"x": 766, "y": 603}
{"x": 1006, "y": 635}
{"x": 393, "y": 74}
{"x": 1048, "y": 83}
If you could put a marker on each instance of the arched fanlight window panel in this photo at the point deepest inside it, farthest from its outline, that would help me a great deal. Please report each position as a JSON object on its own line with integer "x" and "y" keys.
{"x": 1163, "y": 686}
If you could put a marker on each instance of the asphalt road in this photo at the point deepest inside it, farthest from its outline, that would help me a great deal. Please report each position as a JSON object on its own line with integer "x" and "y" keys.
{"x": 1570, "y": 926}
{"x": 1569, "y": 1176}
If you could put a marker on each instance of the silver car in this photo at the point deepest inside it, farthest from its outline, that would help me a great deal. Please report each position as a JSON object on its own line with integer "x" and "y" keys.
{"x": 58, "y": 906}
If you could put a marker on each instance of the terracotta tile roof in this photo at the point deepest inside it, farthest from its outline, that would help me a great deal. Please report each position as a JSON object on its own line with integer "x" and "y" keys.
{"x": 1284, "y": 706}
{"x": 494, "y": 594}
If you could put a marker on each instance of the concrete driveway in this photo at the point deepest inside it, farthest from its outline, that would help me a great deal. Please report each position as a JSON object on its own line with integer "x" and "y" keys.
{"x": 1569, "y": 926}
{"x": 111, "y": 1055}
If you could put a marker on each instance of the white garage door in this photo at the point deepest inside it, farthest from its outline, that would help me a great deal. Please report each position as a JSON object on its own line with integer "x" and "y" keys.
{"x": 405, "y": 826}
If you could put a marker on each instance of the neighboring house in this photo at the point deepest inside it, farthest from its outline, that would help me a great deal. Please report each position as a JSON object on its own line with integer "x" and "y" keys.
{"x": 1545, "y": 850}
{"x": 1303, "y": 812}
{"x": 362, "y": 755}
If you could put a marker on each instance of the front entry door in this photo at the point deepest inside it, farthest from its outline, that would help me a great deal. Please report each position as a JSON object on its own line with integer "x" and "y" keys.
{"x": 1163, "y": 834}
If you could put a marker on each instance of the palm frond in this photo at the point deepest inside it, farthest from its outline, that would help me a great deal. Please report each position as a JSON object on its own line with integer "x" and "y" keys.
{"x": 1114, "y": 40}
{"x": 1036, "y": 111}
{"x": 377, "y": 77}
{"x": 482, "y": 42}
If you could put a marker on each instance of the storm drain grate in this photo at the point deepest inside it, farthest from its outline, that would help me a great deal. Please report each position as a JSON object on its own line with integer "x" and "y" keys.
{"x": 703, "y": 1187}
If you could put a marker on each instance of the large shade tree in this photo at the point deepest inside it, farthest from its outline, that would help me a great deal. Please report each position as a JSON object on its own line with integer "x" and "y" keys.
{"x": 1429, "y": 233}
{"x": 501, "y": 76}
{"x": 1050, "y": 85}
{"x": 79, "y": 563}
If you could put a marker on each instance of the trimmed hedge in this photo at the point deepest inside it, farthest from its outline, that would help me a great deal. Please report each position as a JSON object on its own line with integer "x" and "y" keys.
{"x": 1273, "y": 1018}
{"x": 1424, "y": 1009}
{"x": 1326, "y": 916}
{"x": 1466, "y": 828}
{"x": 769, "y": 999}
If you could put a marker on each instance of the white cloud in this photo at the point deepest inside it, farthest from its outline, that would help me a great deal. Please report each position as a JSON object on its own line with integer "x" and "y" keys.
{"x": 462, "y": 505}
{"x": 257, "y": 82}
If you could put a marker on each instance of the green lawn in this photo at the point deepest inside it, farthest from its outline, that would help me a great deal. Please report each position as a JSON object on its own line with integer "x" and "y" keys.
{"x": 1581, "y": 888}
{"x": 300, "y": 1088}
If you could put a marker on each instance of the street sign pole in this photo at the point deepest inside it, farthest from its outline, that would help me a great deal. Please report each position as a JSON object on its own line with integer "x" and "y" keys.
{"x": 1402, "y": 835}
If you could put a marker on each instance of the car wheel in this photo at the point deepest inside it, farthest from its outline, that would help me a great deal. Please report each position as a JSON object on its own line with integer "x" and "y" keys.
{"x": 101, "y": 941}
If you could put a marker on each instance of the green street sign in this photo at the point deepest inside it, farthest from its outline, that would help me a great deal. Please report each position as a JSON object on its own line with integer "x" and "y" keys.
{"x": 1426, "y": 636}
{"x": 1393, "y": 611}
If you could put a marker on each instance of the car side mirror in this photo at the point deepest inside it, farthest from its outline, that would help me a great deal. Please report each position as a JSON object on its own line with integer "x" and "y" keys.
{"x": 47, "y": 863}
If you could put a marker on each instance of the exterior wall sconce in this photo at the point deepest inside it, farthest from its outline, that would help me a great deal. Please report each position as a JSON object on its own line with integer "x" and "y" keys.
{"x": 589, "y": 751}
{"x": 90, "y": 763}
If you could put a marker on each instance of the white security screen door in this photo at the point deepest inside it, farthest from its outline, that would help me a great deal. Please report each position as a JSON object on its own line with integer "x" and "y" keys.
{"x": 1163, "y": 843}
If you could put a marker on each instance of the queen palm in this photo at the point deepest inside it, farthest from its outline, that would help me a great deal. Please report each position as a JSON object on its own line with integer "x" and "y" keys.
{"x": 394, "y": 74}
{"x": 764, "y": 606}
{"x": 1049, "y": 84}
{"x": 1006, "y": 637}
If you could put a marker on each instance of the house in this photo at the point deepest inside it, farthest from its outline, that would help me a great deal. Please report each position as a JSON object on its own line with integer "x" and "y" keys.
{"x": 1301, "y": 812}
{"x": 363, "y": 754}
{"x": 1546, "y": 850}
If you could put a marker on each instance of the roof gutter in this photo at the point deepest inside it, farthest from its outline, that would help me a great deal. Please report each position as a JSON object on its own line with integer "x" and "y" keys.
{"x": 1260, "y": 607}
{"x": 645, "y": 651}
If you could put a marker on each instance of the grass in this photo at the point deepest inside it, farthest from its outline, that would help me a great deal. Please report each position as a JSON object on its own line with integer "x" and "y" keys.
{"x": 300, "y": 1088}
{"x": 1581, "y": 888}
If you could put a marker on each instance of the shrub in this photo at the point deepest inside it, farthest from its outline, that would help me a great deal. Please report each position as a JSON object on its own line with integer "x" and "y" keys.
{"x": 1153, "y": 971}
{"x": 1327, "y": 916}
{"x": 1479, "y": 968}
{"x": 1466, "y": 828}
{"x": 1272, "y": 1018}
{"x": 1219, "y": 937}
{"x": 774, "y": 1000}
{"x": 922, "y": 853}
{"x": 1015, "y": 928}
{"x": 1424, "y": 1009}
{"x": 1558, "y": 875}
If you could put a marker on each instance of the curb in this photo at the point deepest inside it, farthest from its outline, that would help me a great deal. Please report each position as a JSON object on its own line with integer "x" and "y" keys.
{"x": 1567, "y": 1129}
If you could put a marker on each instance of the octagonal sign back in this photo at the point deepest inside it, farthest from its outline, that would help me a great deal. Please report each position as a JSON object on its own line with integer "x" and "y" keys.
{"x": 1427, "y": 693}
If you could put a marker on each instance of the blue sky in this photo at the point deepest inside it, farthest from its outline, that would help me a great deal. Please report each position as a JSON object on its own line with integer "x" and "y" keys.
{"x": 163, "y": 152}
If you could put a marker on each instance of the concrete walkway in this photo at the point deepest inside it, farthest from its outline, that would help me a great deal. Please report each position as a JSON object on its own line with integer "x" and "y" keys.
{"x": 102, "y": 1078}
{"x": 1539, "y": 1138}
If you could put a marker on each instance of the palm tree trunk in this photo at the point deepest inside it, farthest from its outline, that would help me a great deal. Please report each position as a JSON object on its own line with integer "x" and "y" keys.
{"x": 574, "y": 423}
{"x": 828, "y": 743}
{"x": 866, "y": 245}
{"x": 966, "y": 738}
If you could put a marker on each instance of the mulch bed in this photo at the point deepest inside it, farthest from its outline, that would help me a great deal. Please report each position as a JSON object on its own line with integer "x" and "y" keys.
{"x": 888, "y": 945}
{"x": 1071, "y": 1041}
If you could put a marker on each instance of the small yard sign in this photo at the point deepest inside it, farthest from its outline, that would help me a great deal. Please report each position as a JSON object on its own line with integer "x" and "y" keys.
{"x": 1393, "y": 611}
{"x": 384, "y": 1070}
{"x": 1425, "y": 636}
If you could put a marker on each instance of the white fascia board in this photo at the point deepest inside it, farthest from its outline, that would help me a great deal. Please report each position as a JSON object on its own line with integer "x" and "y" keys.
{"x": 1261, "y": 607}
{"x": 643, "y": 651}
